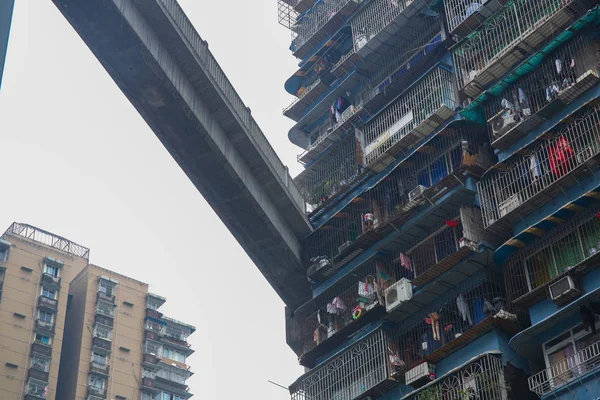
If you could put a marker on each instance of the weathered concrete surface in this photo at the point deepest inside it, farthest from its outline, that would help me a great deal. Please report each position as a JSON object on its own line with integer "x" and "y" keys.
{"x": 161, "y": 64}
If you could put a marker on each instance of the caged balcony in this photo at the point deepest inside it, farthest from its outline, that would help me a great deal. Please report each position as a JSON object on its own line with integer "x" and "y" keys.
{"x": 566, "y": 371}
{"x": 36, "y": 389}
{"x": 528, "y": 102}
{"x": 415, "y": 114}
{"x": 434, "y": 173}
{"x": 530, "y": 178}
{"x": 321, "y": 325}
{"x": 571, "y": 249}
{"x": 318, "y": 23}
{"x": 509, "y": 36}
{"x": 385, "y": 78}
{"x": 331, "y": 175}
{"x": 361, "y": 370}
{"x": 482, "y": 379}
{"x": 463, "y": 17}
{"x": 39, "y": 367}
{"x": 453, "y": 319}
{"x": 48, "y": 303}
{"x": 381, "y": 20}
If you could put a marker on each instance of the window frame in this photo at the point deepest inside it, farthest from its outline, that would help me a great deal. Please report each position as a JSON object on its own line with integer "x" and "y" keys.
{"x": 169, "y": 351}
{"x": 41, "y": 335}
{"x": 44, "y": 288}
{"x": 52, "y": 269}
{"x": 44, "y": 312}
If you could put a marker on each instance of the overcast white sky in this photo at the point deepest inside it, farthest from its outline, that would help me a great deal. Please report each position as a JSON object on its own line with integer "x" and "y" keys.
{"x": 77, "y": 160}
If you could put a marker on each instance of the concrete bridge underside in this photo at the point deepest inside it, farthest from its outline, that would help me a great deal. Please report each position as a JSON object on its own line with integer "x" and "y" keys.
{"x": 165, "y": 69}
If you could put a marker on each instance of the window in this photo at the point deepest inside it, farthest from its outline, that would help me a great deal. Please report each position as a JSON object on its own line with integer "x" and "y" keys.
{"x": 97, "y": 382}
{"x": 51, "y": 270}
{"x": 100, "y": 359}
{"x": 49, "y": 293}
{"x": 103, "y": 332}
{"x": 440, "y": 168}
{"x": 174, "y": 355}
{"x": 43, "y": 339}
{"x": 45, "y": 316}
{"x": 106, "y": 287}
{"x": 177, "y": 333}
{"x": 565, "y": 356}
{"x": 3, "y": 254}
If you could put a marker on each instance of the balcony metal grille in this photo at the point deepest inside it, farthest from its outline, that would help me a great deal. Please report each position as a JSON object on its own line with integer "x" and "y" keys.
{"x": 482, "y": 379}
{"x": 379, "y": 15}
{"x": 509, "y": 36}
{"x": 454, "y": 319}
{"x": 518, "y": 187}
{"x": 566, "y": 371}
{"x": 565, "y": 248}
{"x": 310, "y": 23}
{"x": 330, "y": 174}
{"x": 438, "y": 169}
{"x": 528, "y": 102}
{"x": 36, "y": 388}
{"x": 40, "y": 363}
{"x": 418, "y": 112}
{"x": 349, "y": 375}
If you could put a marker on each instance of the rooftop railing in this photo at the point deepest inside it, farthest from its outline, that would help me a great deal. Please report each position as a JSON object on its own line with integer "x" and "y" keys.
{"x": 47, "y": 238}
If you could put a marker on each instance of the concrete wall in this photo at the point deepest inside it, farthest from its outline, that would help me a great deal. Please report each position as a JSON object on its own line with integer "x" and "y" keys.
{"x": 125, "y": 366}
{"x": 21, "y": 291}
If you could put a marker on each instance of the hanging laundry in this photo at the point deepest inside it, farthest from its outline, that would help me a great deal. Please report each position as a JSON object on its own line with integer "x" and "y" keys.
{"x": 559, "y": 64}
{"x": 336, "y": 306}
{"x": 507, "y": 104}
{"x": 561, "y": 155}
{"x": 534, "y": 167}
{"x": 463, "y": 309}
{"x": 435, "y": 326}
{"x": 405, "y": 262}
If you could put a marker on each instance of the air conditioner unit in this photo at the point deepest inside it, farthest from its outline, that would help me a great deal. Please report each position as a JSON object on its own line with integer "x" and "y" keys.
{"x": 347, "y": 114}
{"x": 563, "y": 290}
{"x": 416, "y": 192}
{"x": 420, "y": 375}
{"x": 509, "y": 204}
{"x": 501, "y": 123}
{"x": 397, "y": 294}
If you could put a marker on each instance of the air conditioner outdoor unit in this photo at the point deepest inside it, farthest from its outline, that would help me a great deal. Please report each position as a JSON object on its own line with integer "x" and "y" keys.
{"x": 509, "y": 204}
{"x": 563, "y": 290}
{"x": 416, "y": 192}
{"x": 397, "y": 294}
{"x": 501, "y": 123}
{"x": 420, "y": 375}
{"x": 347, "y": 113}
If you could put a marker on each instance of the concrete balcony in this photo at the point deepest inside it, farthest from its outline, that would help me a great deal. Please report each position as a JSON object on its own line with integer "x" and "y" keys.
{"x": 99, "y": 366}
{"x": 42, "y": 349}
{"x": 51, "y": 280}
{"x": 48, "y": 303}
{"x": 45, "y": 326}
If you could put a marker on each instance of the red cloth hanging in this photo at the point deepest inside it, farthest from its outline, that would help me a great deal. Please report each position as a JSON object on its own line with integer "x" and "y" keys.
{"x": 561, "y": 155}
{"x": 452, "y": 223}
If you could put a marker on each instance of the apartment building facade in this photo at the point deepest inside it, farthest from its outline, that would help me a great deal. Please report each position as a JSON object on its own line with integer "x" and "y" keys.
{"x": 450, "y": 153}
{"x": 74, "y": 330}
